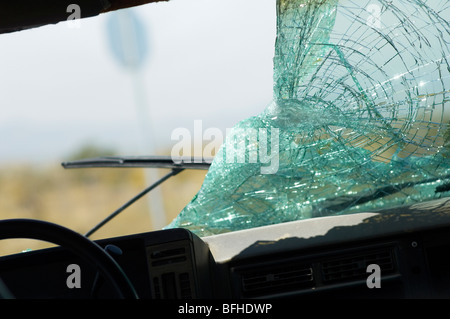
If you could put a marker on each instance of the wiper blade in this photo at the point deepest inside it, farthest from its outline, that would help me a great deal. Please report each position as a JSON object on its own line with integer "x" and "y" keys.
{"x": 345, "y": 202}
{"x": 176, "y": 165}
{"x": 141, "y": 162}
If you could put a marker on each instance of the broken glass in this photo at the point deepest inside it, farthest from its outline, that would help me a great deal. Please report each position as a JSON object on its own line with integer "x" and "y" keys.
{"x": 360, "y": 119}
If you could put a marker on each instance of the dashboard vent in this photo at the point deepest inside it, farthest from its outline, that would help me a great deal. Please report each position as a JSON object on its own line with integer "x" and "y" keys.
{"x": 170, "y": 267}
{"x": 354, "y": 267}
{"x": 276, "y": 279}
{"x": 311, "y": 274}
{"x": 166, "y": 257}
{"x": 172, "y": 286}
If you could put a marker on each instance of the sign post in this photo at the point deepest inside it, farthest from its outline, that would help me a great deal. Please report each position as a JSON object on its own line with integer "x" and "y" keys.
{"x": 129, "y": 45}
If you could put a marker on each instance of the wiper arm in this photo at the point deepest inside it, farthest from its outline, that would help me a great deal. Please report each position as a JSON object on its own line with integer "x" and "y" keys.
{"x": 141, "y": 162}
{"x": 176, "y": 165}
{"x": 131, "y": 201}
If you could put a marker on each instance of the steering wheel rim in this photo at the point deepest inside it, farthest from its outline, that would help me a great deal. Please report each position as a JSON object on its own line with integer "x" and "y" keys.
{"x": 80, "y": 245}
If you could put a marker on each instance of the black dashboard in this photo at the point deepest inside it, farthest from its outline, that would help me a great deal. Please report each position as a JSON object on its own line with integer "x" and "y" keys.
{"x": 326, "y": 257}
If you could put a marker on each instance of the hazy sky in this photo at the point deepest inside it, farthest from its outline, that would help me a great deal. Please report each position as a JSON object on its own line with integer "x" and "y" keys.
{"x": 62, "y": 87}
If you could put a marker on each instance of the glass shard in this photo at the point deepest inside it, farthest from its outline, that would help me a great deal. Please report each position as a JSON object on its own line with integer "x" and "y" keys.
{"x": 360, "y": 119}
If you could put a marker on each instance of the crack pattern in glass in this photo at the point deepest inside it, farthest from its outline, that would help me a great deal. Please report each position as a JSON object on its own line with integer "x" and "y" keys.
{"x": 359, "y": 119}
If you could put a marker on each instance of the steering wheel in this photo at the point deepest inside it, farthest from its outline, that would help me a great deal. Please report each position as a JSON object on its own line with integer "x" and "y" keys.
{"x": 80, "y": 245}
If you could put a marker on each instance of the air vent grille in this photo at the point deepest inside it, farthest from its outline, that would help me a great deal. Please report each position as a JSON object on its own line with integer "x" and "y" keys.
{"x": 280, "y": 278}
{"x": 166, "y": 257}
{"x": 305, "y": 273}
{"x": 171, "y": 269}
{"x": 353, "y": 267}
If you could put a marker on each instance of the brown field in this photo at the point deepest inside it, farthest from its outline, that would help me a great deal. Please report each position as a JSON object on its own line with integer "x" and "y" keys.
{"x": 80, "y": 198}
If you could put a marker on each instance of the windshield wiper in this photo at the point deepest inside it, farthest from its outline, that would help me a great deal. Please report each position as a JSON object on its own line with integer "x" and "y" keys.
{"x": 176, "y": 165}
{"x": 344, "y": 202}
{"x": 141, "y": 162}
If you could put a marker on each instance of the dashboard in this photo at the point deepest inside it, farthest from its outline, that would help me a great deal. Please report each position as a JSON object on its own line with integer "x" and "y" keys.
{"x": 395, "y": 253}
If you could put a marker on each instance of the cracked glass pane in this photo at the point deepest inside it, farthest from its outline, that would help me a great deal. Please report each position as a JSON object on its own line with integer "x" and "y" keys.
{"x": 360, "y": 119}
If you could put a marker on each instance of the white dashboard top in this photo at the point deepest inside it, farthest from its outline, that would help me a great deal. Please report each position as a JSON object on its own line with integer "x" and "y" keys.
{"x": 328, "y": 230}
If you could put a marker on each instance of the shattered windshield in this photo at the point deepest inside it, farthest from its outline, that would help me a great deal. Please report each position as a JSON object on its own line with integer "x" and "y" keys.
{"x": 360, "y": 119}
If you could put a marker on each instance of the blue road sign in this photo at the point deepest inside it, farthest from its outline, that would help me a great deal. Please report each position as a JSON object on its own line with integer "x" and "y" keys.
{"x": 127, "y": 38}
